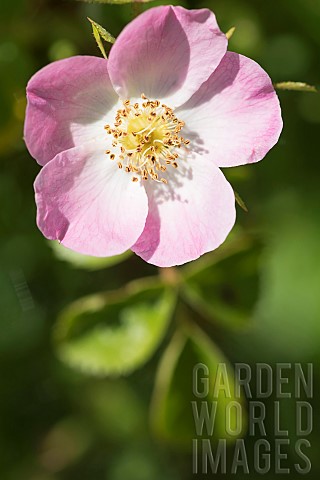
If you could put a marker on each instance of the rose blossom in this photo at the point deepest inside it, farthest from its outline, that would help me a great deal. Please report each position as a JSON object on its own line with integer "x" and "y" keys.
{"x": 131, "y": 146}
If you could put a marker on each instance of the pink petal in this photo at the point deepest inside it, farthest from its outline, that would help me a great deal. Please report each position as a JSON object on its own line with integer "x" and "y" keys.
{"x": 166, "y": 53}
{"x": 190, "y": 216}
{"x": 235, "y": 115}
{"x": 88, "y": 204}
{"x": 68, "y": 104}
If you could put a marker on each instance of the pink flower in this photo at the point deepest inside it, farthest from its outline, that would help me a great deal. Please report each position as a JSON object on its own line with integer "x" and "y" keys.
{"x": 131, "y": 147}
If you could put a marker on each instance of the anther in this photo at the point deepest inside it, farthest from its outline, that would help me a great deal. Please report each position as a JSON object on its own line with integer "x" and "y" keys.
{"x": 152, "y": 145}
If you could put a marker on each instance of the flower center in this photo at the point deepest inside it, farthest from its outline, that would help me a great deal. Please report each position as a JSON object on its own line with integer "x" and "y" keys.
{"x": 146, "y": 139}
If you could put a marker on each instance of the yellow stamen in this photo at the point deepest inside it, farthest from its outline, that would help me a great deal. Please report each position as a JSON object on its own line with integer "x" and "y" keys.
{"x": 147, "y": 136}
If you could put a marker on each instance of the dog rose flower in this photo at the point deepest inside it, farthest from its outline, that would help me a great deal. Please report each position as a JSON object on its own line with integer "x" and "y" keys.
{"x": 131, "y": 146}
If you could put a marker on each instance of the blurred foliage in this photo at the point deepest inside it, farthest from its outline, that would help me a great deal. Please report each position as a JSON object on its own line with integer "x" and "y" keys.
{"x": 254, "y": 299}
{"x": 228, "y": 300}
{"x": 174, "y": 387}
{"x": 139, "y": 315}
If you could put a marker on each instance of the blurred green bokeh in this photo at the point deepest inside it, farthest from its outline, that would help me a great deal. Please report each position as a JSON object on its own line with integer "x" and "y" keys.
{"x": 257, "y": 299}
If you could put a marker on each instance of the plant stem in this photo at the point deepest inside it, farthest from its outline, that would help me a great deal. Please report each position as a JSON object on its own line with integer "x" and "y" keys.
{"x": 170, "y": 276}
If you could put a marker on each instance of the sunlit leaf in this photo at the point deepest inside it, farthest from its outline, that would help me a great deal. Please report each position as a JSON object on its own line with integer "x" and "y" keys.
{"x": 223, "y": 286}
{"x": 178, "y": 385}
{"x": 86, "y": 262}
{"x": 295, "y": 86}
{"x": 230, "y": 32}
{"x": 101, "y": 33}
{"x": 116, "y": 332}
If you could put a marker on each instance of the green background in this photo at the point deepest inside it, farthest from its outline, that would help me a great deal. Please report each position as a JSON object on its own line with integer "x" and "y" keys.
{"x": 257, "y": 298}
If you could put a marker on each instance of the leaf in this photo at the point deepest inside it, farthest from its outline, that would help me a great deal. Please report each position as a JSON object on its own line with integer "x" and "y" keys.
{"x": 224, "y": 286}
{"x": 98, "y": 33}
{"x": 102, "y": 31}
{"x": 295, "y": 86}
{"x": 230, "y": 32}
{"x": 240, "y": 202}
{"x": 117, "y": 332}
{"x": 85, "y": 262}
{"x": 177, "y": 389}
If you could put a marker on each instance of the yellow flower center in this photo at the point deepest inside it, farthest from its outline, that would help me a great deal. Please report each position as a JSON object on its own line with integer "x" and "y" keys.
{"x": 146, "y": 139}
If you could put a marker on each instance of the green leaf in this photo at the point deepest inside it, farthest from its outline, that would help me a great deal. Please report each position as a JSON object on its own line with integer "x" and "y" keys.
{"x": 86, "y": 262}
{"x": 295, "y": 86}
{"x": 100, "y": 33}
{"x": 177, "y": 386}
{"x": 117, "y": 332}
{"x": 230, "y": 32}
{"x": 240, "y": 202}
{"x": 223, "y": 287}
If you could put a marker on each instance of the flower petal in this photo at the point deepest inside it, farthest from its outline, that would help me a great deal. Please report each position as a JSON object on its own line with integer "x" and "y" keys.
{"x": 88, "y": 204}
{"x": 68, "y": 104}
{"x": 235, "y": 115}
{"x": 188, "y": 217}
{"x": 166, "y": 53}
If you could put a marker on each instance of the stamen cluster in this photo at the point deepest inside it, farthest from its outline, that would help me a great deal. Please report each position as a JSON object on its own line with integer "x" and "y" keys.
{"x": 146, "y": 136}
